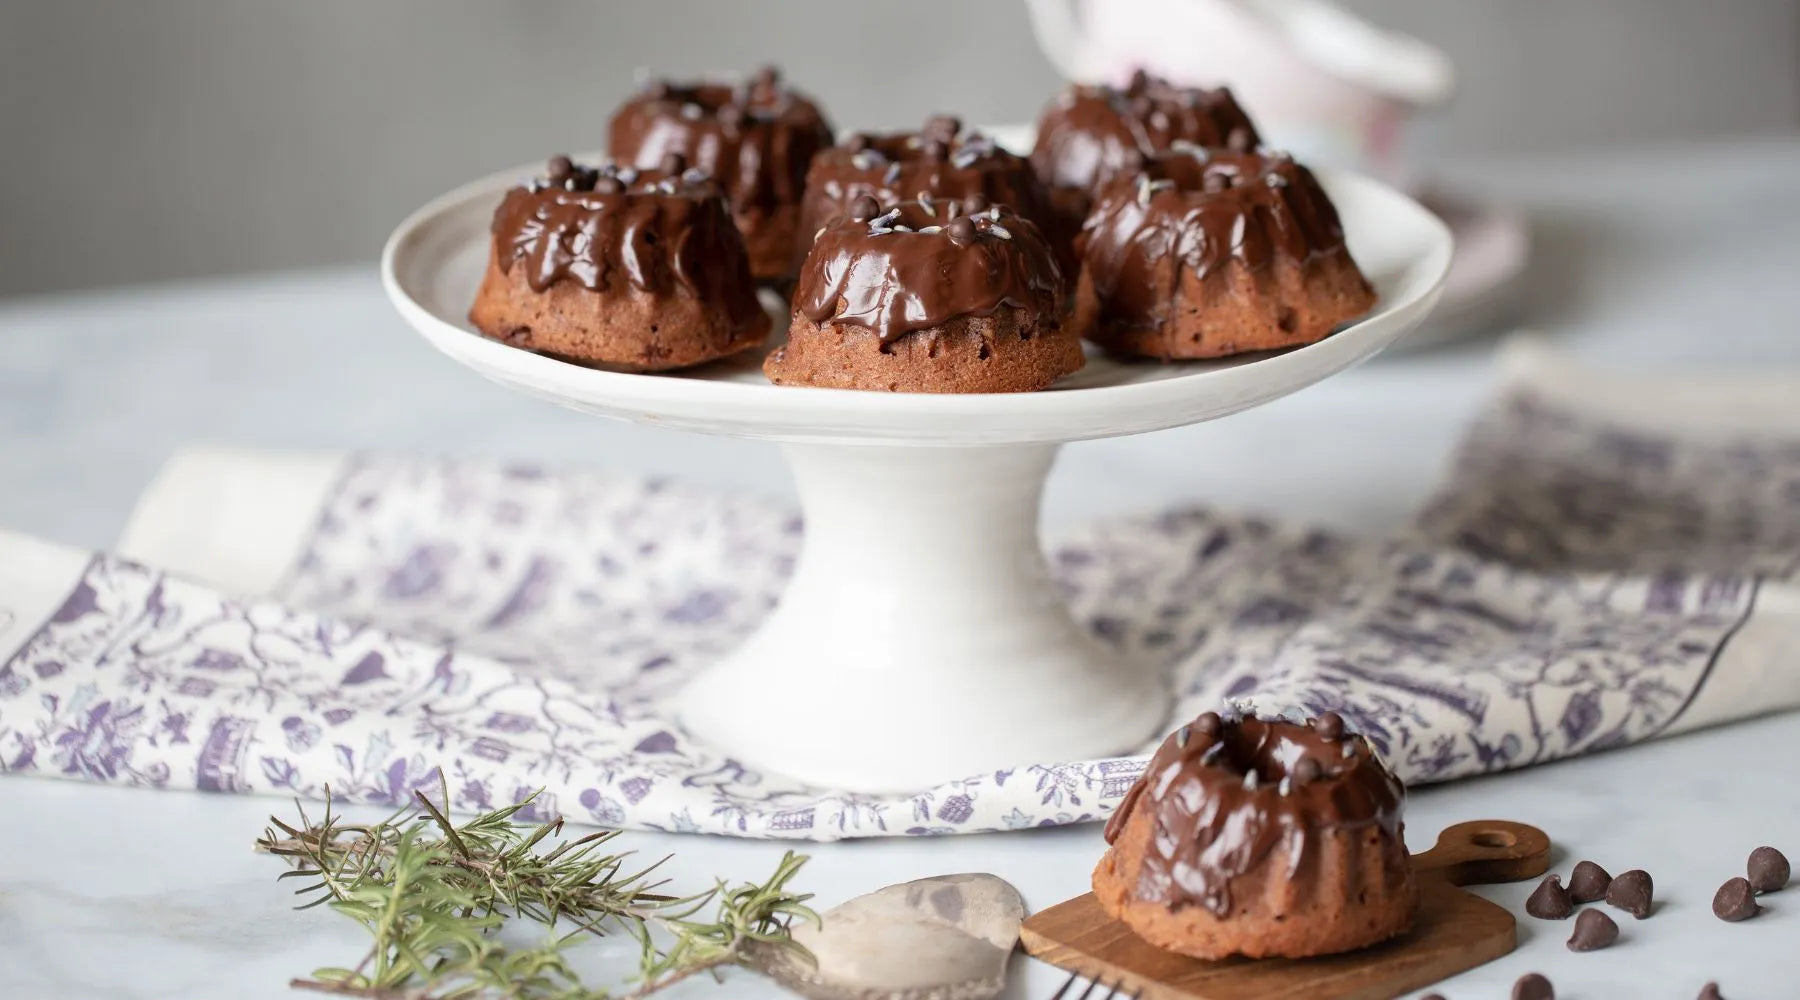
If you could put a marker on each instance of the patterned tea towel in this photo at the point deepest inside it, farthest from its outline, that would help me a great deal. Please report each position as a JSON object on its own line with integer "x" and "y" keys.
{"x": 1611, "y": 560}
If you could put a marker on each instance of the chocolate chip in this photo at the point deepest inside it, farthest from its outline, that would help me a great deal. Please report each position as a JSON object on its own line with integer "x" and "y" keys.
{"x": 1594, "y": 930}
{"x": 1139, "y": 81}
{"x": 1209, "y": 723}
{"x": 657, "y": 89}
{"x": 857, "y": 142}
{"x": 768, "y": 76}
{"x": 560, "y": 168}
{"x": 1329, "y": 726}
{"x": 584, "y": 179}
{"x": 1710, "y": 992}
{"x": 941, "y": 127}
{"x": 1550, "y": 901}
{"x": 608, "y": 185}
{"x": 935, "y": 150}
{"x": 864, "y": 208}
{"x": 1307, "y": 771}
{"x": 962, "y": 232}
{"x": 1735, "y": 901}
{"x": 975, "y": 203}
{"x": 672, "y": 164}
{"x": 1768, "y": 869}
{"x": 1588, "y": 882}
{"x": 1533, "y": 986}
{"x": 1632, "y": 892}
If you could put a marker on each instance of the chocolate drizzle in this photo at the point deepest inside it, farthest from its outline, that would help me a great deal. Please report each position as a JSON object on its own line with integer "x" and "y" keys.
{"x": 757, "y": 138}
{"x": 608, "y": 228}
{"x": 939, "y": 162}
{"x": 1226, "y": 805}
{"x": 1196, "y": 209}
{"x": 919, "y": 265}
{"x": 1094, "y": 134}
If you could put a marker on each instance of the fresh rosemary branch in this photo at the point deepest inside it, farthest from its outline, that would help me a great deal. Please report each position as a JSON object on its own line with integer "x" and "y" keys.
{"x": 433, "y": 895}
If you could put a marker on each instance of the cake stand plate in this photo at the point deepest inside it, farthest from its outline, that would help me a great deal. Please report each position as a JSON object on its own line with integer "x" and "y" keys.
{"x": 921, "y": 638}
{"x": 1455, "y": 932}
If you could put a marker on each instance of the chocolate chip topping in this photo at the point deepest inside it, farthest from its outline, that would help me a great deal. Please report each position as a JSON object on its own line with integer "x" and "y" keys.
{"x": 1735, "y": 901}
{"x": 559, "y": 169}
{"x": 1710, "y": 992}
{"x": 672, "y": 163}
{"x": 857, "y": 142}
{"x": 1209, "y": 723}
{"x": 1533, "y": 986}
{"x": 1588, "y": 882}
{"x": 864, "y": 208}
{"x": 960, "y": 230}
{"x": 1633, "y": 892}
{"x": 1768, "y": 870}
{"x": 1594, "y": 930}
{"x": 1307, "y": 771}
{"x": 1550, "y": 901}
{"x": 1330, "y": 726}
{"x": 943, "y": 128}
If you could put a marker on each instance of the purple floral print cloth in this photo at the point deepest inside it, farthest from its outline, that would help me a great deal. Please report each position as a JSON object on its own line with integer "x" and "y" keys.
{"x": 375, "y": 623}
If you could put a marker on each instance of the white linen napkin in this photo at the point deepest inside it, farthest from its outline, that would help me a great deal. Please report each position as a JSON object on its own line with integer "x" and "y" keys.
{"x": 1611, "y": 560}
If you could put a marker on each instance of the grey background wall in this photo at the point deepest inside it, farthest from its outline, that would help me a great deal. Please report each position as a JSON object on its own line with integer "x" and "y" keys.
{"x": 143, "y": 141}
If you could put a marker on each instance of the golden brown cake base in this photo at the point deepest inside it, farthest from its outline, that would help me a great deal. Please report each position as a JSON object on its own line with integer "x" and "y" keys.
{"x": 769, "y": 238}
{"x": 997, "y": 353}
{"x": 630, "y": 329}
{"x": 1348, "y": 897}
{"x": 1234, "y": 310}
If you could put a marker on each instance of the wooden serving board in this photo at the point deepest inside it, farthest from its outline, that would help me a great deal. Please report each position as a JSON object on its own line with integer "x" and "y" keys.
{"x": 1456, "y": 931}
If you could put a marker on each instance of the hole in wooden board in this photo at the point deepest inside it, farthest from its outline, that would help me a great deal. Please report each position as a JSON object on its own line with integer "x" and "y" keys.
{"x": 1493, "y": 838}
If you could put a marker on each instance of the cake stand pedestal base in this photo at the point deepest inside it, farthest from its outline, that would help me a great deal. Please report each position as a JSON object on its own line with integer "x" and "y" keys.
{"x": 921, "y": 637}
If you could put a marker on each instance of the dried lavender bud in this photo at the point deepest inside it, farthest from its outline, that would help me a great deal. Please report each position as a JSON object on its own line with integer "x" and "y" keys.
{"x": 892, "y": 176}
{"x": 996, "y": 229}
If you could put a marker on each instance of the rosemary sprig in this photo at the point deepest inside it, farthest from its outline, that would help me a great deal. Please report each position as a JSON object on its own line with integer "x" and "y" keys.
{"x": 433, "y": 896}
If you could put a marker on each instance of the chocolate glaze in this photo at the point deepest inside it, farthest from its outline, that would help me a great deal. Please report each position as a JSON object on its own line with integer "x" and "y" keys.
{"x": 921, "y": 264}
{"x": 939, "y": 161}
{"x": 601, "y": 226}
{"x": 1196, "y": 209}
{"x": 1214, "y": 822}
{"x": 757, "y": 137}
{"x": 1092, "y": 134}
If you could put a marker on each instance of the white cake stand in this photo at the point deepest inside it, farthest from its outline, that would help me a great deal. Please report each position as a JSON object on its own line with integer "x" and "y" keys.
{"x": 921, "y": 637}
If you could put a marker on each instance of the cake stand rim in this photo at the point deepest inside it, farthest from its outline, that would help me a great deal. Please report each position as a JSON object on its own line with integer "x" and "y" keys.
{"x": 805, "y": 414}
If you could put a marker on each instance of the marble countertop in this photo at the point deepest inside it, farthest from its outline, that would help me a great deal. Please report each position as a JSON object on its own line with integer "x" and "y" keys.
{"x": 1668, "y": 258}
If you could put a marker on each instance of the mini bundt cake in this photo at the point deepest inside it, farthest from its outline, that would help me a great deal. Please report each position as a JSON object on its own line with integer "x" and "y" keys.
{"x": 928, "y": 296}
{"x": 756, "y": 138}
{"x": 1263, "y": 838}
{"x": 1207, "y": 253}
{"x": 617, "y": 267}
{"x": 1092, "y": 135}
{"x": 939, "y": 162}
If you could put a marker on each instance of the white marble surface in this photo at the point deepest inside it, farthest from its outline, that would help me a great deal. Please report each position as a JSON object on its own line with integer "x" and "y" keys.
{"x": 1669, "y": 258}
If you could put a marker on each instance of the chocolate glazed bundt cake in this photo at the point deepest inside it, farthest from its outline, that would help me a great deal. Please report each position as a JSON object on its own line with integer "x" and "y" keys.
{"x": 757, "y": 138}
{"x": 1208, "y": 253}
{"x": 1262, "y": 838}
{"x": 1092, "y": 135}
{"x": 940, "y": 162}
{"x": 613, "y": 266}
{"x": 928, "y": 296}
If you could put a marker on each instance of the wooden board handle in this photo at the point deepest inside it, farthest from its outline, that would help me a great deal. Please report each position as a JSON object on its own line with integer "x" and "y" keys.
{"x": 1483, "y": 851}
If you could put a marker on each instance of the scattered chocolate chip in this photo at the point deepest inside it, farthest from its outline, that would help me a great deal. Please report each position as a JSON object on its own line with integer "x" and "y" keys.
{"x": 1633, "y": 892}
{"x": 941, "y": 127}
{"x": 1588, "y": 882}
{"x": 962, "y": 232}
{"x": 857, "y": 142}
{"x": 1710, "y": 992}
{"x": 1329, "y": 725}
{"x": 1307, "y": 771}
{"x": 1209, "y": 723}
{"x": 1594, "y": 930}
{"x": 672, "y": 164}
{"x": 560, "y": 168}
{"x": 608, "y": 185}
{"x": 1735, "y": 901}
{"x": 1550, "y": 901}
{"x": 1768, "y": 870}
{"x": 978, "y": 203}
{"x": 1533, "y": 986}
{"x": 864, "y": 208}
